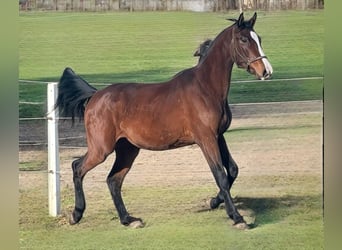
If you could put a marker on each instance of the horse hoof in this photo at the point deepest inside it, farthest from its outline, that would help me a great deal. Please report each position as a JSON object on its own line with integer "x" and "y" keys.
{"x": 213, "y": 203}
{"x": 74, "y": 218}
{"x": 241, "y": 226}
{"x": 71, "y": 220}
{"x": 136, "y": 224}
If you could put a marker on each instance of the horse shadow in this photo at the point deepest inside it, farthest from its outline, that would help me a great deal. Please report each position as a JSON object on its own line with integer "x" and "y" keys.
{"x": 259, "y": 211}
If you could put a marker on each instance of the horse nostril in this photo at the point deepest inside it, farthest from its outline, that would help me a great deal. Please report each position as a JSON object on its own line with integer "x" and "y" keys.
{"x": 266, "y": 75}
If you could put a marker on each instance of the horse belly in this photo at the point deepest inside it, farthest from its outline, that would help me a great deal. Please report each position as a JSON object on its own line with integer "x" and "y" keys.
{"x": 155, "y": 138}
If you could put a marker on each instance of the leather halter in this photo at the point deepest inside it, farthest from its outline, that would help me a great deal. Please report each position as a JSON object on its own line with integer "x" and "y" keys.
{"x": 255, "y": 59}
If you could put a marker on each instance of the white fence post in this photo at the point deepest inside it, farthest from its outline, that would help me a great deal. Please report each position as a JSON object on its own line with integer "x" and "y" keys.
{"x": 53, "y": 151}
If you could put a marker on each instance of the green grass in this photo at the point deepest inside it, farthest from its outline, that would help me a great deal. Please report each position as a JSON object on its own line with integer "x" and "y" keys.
{"x": 32, "y": 166}
{"x": 284, "y": 209}
{"x": 282, "y": 221}
{"x": 276, "y": 91}
{"x": 153, "y": 46}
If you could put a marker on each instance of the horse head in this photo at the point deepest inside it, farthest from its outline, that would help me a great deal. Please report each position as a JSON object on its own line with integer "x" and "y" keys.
{"x": 246, "y": 48}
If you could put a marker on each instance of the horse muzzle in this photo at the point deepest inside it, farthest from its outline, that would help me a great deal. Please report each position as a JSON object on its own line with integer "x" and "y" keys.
{"x": 262, "y": 70}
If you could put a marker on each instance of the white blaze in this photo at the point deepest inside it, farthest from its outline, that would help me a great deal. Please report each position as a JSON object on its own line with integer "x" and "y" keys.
{"x": 267, "y": 64}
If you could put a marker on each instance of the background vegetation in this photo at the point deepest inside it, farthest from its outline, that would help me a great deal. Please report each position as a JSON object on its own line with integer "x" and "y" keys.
{"x": 162, "y": 5}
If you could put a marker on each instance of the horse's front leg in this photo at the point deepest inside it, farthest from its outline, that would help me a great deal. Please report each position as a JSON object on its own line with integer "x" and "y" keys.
{"x": 231, "y": 167}
{"x": 211, "y": 152}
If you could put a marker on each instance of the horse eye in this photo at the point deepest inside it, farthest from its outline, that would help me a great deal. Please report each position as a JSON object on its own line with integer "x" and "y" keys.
{"x": 243, "y": 39}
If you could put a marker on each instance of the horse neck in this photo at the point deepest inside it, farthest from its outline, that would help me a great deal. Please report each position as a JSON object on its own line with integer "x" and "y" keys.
{"x": 214, "y": 72}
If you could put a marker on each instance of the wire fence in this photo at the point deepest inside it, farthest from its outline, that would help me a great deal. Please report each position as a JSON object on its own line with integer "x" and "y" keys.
{"x": 33, "y": 130}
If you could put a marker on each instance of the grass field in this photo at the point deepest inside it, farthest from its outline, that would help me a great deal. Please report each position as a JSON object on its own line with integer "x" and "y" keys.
{"x": 279, "y": 191}
{"x": 153, "y": 46}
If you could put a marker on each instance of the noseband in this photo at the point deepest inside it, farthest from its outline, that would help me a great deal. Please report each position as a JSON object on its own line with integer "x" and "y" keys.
{"x": 255, "y": 59}
{"x": 249, "y": 62}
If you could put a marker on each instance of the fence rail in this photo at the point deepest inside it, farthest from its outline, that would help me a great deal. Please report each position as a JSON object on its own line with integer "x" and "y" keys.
{"x": 33, "y": 131}
{"x": 170, "y": 5}
{"x": 107, "y": 84}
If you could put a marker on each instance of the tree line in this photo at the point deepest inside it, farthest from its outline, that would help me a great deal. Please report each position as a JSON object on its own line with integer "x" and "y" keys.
{"x": 164, "y": 5}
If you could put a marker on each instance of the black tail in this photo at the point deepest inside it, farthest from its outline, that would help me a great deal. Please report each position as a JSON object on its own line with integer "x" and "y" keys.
{"x": 73, "y": 95}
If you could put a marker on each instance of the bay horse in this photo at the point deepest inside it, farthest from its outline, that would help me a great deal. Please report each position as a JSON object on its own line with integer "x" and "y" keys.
{"x": 190, "y": 108}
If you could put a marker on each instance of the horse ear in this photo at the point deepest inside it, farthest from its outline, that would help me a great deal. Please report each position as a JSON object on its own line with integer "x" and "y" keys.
{"x": 197, "y": 52}
{"x": 240, "y": 20}
{"x": 253, "y": 19}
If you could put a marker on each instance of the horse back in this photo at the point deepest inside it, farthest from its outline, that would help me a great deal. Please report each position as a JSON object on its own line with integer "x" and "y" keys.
{"x": 153, "y": 116}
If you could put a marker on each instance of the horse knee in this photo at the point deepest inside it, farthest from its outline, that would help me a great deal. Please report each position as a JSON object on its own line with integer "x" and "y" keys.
{"x": 115, "y": 180}
{"x": 223, "y": 182}
{"x": 76, "y": 166}
{"x": 233, "y": 169}
{"x": 233, "y": 172}
{"x": 83, "y": 165}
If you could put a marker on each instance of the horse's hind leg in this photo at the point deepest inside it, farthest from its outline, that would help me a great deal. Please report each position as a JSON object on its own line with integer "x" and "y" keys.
{"x": 125, "y": 155}
{"x": 80, "y": 167}
{"x": 231, "y": 167}
{"x": 79, "y": 194}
